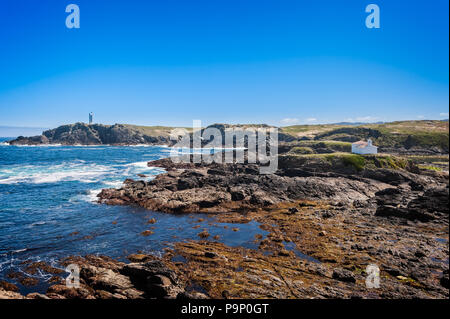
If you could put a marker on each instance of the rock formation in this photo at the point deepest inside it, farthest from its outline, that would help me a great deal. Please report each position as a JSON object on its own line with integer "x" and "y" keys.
{"x": 98, "y": 134}
{"x": 339, "y": 219}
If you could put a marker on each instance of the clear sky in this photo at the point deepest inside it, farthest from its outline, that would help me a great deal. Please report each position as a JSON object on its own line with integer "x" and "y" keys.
{"x": 168, "y": 62}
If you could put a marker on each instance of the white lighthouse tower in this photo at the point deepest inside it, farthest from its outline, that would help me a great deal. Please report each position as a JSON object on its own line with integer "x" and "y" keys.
{"x": 91, "y": 117}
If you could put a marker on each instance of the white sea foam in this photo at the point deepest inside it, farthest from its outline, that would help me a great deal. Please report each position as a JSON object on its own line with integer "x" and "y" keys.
{"x": 38, "y": 223}
{"x": 90, "y": 196}
{"x": 146, "y": 145}
{"x": 65, "y": 176}
{"x": 142, "y": 167}
{"x": 19, "y": 251}
{"x": 83, "y": 145}
{"x": 40, "y": 145}
{"x": 204, "y": 150}
{"x": 68, "y": 171}
{"x": 114, "y": 184}
{"x": 131, "y": 169}
{"x": 138, "y": 164}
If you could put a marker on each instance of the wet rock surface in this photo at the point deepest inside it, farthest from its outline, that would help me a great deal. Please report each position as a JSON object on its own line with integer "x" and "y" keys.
{"x": 324, "y": 229}
{"x": 104, "y": 278}
{"x": 322, "y": 234}
{"x": 216, "y": 188}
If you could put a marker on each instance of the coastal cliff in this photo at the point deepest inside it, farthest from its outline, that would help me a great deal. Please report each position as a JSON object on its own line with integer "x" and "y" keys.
{"x": 98, "y": 134}
{"x": 124, "y": 134}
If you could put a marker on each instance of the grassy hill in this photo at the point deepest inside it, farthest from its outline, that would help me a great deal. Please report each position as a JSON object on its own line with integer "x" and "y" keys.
{"x": 400, "y": 135}
{"x": 154, "y": 130}
{"x": 344, "y": 162}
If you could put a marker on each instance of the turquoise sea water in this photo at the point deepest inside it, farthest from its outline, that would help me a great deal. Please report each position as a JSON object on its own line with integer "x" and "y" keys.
{"x": 48, "y": 209}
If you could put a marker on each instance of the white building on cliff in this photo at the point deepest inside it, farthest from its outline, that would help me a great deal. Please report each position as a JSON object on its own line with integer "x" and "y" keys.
{"x": 362, "y": 147}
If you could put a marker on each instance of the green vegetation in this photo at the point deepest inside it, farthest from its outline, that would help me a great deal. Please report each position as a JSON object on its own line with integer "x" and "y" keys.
{"x": 431, "y": 162}
{"x": 403, "y": 134}
{"x": 166, "y": 130}
{"x": 430, "y": 167}
{"x": 301, "y": 150}
{"x": 355, "y": 160}
{"x": 386, "y": 161}
{"x": 309, "y": 130}
{"x": 418, "y": 139}
{"x": 154, "y": 130}
{"x": 435, "y": 159}
{"x": 336, "y": 146}
{"x": 412, "y": 133}
{"x": 359, "y": 162}
{"x": 440, "y": 163}
{"x": 411, "y": 127}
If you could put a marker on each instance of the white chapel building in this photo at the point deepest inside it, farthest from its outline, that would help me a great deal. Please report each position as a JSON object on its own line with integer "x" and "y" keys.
{"x": 362, "y": 147}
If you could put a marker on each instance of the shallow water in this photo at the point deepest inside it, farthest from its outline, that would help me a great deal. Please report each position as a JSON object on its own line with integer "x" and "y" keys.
{"x": 47, "y": 210}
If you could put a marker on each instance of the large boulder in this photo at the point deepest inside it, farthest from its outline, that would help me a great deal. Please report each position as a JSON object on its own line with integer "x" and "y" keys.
{"x": 154, "y": 278}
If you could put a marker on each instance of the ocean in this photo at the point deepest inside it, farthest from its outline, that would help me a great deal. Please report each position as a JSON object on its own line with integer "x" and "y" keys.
{"x": 48, "y": 208}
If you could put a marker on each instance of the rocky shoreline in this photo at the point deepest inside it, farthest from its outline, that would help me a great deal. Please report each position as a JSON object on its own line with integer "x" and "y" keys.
{"x": 326, "y": 222}
{"x": 104, "y": 278}
{"x": 339, "y": 216}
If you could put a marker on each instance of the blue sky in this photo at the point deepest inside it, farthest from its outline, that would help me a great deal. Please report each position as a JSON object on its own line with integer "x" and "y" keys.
{"x": 169, "y": 62}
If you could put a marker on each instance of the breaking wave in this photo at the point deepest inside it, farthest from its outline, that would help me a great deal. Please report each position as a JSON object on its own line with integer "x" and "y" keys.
{"x": 40, "y": 174}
